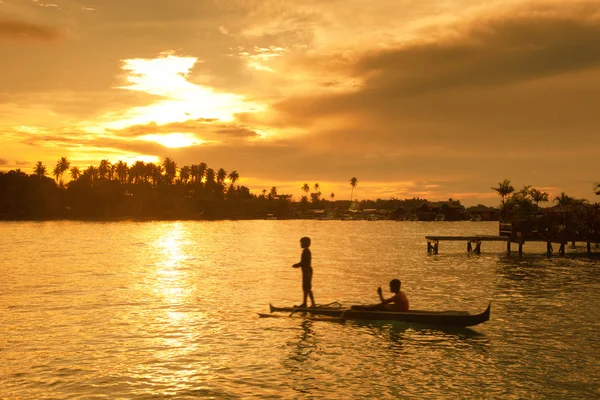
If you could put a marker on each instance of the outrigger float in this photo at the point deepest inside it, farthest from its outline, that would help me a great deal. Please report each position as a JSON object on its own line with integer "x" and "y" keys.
{"x": 438, "y": 318}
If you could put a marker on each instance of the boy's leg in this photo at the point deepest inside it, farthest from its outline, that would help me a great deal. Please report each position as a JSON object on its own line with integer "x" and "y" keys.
{"x": 312, "y": 299}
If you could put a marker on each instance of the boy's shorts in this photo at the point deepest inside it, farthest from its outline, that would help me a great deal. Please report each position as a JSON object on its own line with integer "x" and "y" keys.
{"x": 307, "y": 279}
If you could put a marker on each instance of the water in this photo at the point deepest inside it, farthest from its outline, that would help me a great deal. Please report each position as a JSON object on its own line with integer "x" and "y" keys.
{"x": 168, "y": 310}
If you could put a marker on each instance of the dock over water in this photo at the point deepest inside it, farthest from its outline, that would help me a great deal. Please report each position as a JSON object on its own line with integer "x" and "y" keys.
{"x": 476, "y": 240}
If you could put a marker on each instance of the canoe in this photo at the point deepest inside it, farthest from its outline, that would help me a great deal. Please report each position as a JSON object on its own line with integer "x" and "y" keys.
{"x": 310, "y": 318}
{"x": 439, "y": 318}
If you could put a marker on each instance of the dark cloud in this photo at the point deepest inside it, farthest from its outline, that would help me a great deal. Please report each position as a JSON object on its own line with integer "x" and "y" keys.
{"x": 3, "y": 161}
{"x": 503, "y": 50}
{"x": 205, "y": 128}
{"x": 20, "y": 30}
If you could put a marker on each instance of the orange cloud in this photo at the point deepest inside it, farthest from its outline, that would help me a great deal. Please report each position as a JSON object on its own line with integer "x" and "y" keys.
{"x": 19, "y": 30}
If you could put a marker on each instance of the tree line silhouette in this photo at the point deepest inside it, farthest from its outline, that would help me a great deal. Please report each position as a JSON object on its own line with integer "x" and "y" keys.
{"x": 569, "y": 219}
{"x": 143, "y": 190}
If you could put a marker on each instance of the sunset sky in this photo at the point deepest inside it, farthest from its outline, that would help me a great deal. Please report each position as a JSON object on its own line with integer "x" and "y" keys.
{"x": 424, "y": 98}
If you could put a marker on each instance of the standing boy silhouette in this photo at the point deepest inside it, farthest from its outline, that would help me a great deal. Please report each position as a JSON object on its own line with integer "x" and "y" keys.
{"x": 307, "y": 272}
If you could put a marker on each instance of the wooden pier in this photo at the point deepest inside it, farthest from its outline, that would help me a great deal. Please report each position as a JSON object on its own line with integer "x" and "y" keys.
{"x": 433, "y": 243}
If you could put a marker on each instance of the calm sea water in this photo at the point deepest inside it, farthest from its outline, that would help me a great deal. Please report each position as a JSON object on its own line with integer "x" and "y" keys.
{"x": 168, "y": 310}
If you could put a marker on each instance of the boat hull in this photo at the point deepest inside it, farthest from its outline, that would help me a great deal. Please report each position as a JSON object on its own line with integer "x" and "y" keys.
{"x": 445, "y": 318}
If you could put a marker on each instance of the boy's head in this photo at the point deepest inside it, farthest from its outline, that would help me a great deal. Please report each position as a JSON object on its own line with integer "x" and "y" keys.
{"x": 395, "y": 285}
{"x": 305, "y": 242}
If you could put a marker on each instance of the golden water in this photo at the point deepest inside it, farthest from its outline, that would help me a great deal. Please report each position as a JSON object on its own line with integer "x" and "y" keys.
{"x": 168, "y": 310}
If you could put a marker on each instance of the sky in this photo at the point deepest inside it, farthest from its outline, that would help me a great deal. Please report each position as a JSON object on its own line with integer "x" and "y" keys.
{"x": 431, "y": 99}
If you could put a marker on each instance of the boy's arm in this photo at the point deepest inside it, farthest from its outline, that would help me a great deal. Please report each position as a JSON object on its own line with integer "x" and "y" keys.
{"x": 383, "y": 301}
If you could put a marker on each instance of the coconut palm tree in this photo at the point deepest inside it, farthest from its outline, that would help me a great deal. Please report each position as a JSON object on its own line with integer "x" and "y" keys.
{"x": 75, "y": 173}
{"x": 170, "y": 168}
{"x": 91, "y": 173}
{"x": 317, "y": 187}
{"x": 332, "y": 196}
{"x": 564, "y": 201}
{"x": 61, "y": 166}
{"x": 136, "y": 172}
{"x": 39, "y": 170}
{"x": 306, "y": 188}
{"x": 538, "y": 197}
{"x": 122, "y": 171}
{"x": 103, "y": 169}
{"x": 273, "y": 193}
{"x": 353, "y": 183}
{"x": 56, "y": 172}
{"x": 184, "y": 174}
{"x": 504, "y": 189}
{"x": 210, "y": 177}
{"x": 221, "y": 175}
{"x": 234, "y": 177}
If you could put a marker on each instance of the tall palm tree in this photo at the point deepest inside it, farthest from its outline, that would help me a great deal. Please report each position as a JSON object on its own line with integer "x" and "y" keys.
{"x": 538, "y": 197}
{"x": 40, "y": 169}
{"x": 91, "y": 173}
{"x": 103, "y": 169}
{"x": 564, "y": 201}
{"x": 264, "y": 193}
{"x": 306, "y": 188}
{"x": 353, "y": 183}
{"x": 504, "y": 189}
{"x": 332, "y": 196}
{"x": 234, "y": 177}
{"x": 210, "y": 176}
{"x": 273, "y": 192}
{"x": 202, "y": 168}
{"x": 75, "y": 173}
{"x": 56, "y": 172}
{"x": 136, "y": 172}
{"x": 61, "y": 166}
{"x": 122, "y": 171}
{"x": 184, "y": 173}
{"x": 170, "y": 168}
{"x": 221, "y": 175}
{"x": 317, "y": 187}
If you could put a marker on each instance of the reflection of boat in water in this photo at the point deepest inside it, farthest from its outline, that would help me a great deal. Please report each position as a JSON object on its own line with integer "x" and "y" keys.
{"x": 440, "y": 318}
{"x": 440, "y": 217}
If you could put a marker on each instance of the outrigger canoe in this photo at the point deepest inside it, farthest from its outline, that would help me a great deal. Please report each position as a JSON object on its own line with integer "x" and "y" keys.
{"x": 441, "y": 318}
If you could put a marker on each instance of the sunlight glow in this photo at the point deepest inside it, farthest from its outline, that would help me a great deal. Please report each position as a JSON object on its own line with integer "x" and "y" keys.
{"x": 174, "y": 140}
{"x": 167, "y": 76}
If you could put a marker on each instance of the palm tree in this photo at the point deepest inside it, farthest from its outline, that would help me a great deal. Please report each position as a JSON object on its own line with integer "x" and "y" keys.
{"x": 306, "y": 188}
{"x": 56, "y": 172}
{"x": 353, "y": 183}
{"x": 317, "y": 187}
{"x": 40, "y": 169}
{"x": 264, "y": 193}
{"x": 91, "y": 173}
{"x": 221, "y": 175}
{"x": 504, "y": 189}
{"x": 170, "y": 168}
{"x": 184, "y": 173}
{"x": 564, "y": 201}
{"x": 75, "y": 173}
{"x": 597, "y": 189}
{"x": 234, "y": 177}
{"x": 538, "y": 197}
{"x": 103, "y": 169}
{"x": 273, "y": 192}
{"x": 122, "y": 171}
{"x": 61, "y": 166}
{"x": 332, "y": 196}
{"x": 210, "y": 176}
{"x": 136, "y": 172}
